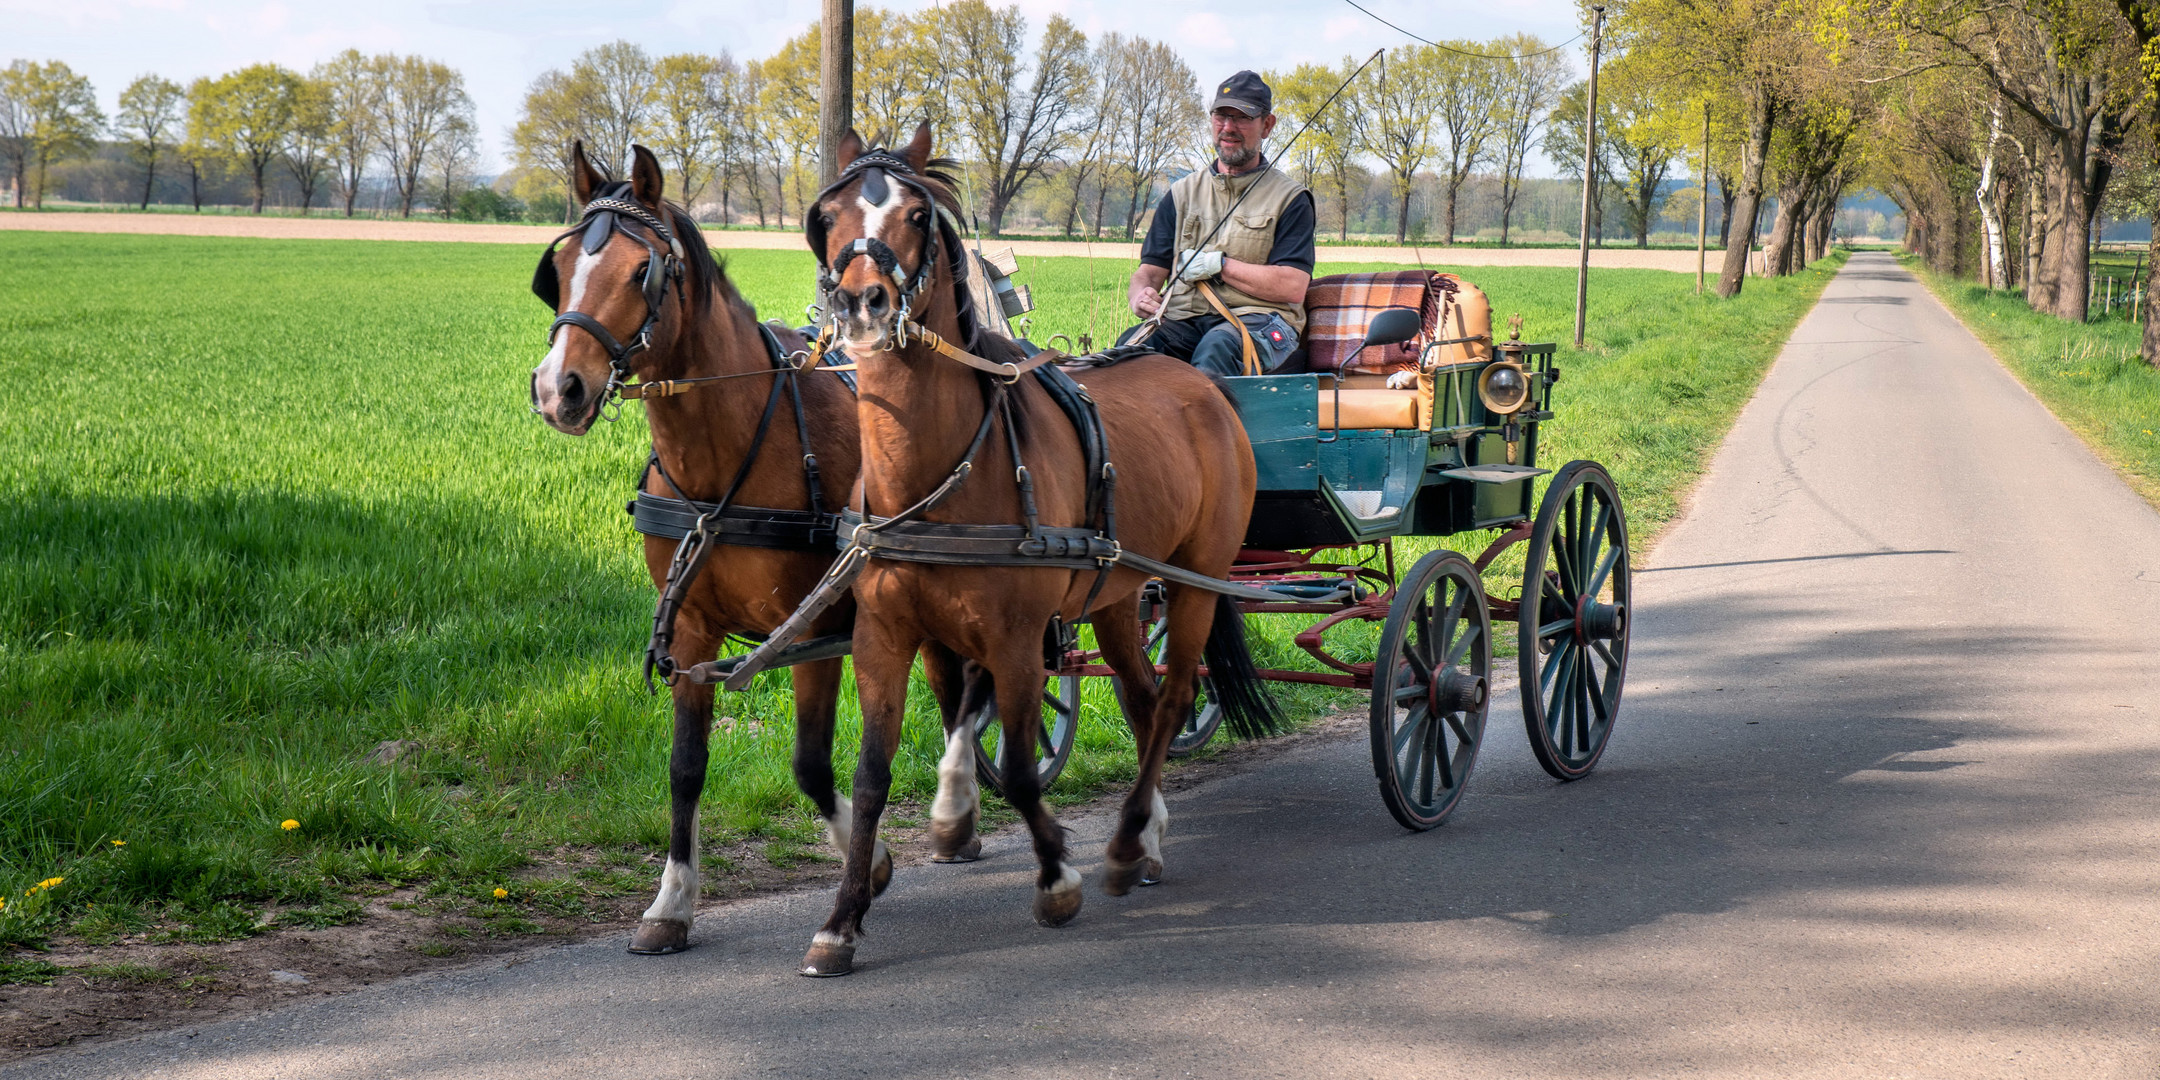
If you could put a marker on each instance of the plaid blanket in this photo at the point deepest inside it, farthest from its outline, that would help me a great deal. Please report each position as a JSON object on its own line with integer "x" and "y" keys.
{"x": 1340, "y": 307}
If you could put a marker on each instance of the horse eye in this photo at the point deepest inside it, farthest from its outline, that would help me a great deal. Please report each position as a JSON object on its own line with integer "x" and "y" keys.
{"x": 920, "y": 217}
{"x": 639, "y": 273}
{"x": 825, "y": 222}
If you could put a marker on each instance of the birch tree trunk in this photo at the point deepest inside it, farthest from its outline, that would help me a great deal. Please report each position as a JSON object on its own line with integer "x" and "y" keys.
{"x": 1982, "y": 195}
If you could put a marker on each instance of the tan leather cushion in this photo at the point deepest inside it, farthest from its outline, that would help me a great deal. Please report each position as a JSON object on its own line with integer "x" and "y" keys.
{"x": 1397, "y": 409}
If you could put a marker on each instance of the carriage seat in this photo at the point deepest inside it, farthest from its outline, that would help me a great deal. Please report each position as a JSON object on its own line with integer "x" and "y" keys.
{"x": 1369, "y": 408}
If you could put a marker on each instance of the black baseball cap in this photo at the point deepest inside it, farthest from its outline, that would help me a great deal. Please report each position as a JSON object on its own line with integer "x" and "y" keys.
{"x": 1246, "y": 93}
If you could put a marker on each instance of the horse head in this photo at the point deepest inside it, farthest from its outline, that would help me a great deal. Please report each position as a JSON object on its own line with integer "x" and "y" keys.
{"x": 879, "y": 233}
{"x": 614, "y": 320}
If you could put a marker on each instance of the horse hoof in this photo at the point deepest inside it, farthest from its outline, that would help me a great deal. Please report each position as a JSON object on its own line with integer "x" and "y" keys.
{"x": 1150, "y": 872}
{"x": 657, "y": 937}
{"x": 1119, "y": 878}
{"x": 1056, "y": 907}
{"x": 881, "y": 873}
{"x": 825, "y": 961}
{"x": 969, "y": 851}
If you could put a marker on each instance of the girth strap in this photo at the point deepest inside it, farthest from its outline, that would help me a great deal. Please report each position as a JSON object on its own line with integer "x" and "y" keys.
{"x": 736, "y": 526}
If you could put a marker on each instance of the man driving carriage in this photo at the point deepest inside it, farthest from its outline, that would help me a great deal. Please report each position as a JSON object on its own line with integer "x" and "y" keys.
{"x": 1255, "y": 268}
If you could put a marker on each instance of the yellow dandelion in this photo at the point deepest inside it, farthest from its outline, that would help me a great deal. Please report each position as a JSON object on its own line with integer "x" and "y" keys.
{"x": 501, "y": 894}
{"x": 288, "y": 825}
{"x": 3, "y": 903}
{"x": 119, "y": 843}
{"x": 50, "y": 882}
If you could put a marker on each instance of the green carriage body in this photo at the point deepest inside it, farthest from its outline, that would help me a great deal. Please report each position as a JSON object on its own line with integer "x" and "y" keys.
{"x": 1327, "y": 487}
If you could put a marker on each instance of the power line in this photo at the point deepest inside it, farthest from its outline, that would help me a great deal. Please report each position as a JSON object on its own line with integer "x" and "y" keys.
{"x": 1456, "y": 51}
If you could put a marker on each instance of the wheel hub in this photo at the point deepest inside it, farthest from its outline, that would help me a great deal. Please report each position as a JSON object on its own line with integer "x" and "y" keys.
{"x": 1456, "y": 691}
{"x": 1599, "y": 622}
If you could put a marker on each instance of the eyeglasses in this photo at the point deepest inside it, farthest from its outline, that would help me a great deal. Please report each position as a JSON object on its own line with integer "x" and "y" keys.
{"x": 1230, "y": 117}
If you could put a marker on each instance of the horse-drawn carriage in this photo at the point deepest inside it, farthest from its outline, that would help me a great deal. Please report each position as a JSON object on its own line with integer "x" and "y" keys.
{"x": 1405, "y": 418}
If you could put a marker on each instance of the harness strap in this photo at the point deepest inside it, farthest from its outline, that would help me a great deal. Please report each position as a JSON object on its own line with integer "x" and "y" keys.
{"x": 1251, "y": 357}
{"x": 841, "y": 575}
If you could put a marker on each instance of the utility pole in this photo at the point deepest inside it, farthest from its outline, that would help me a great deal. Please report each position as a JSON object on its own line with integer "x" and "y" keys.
{"x": 1589, "y": 176}
{"x": 836, "y": 85}
{"x": 1702, "y": 215}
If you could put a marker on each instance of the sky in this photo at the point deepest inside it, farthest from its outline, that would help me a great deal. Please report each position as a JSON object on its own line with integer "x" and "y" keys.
{"x": 501, "y": 46}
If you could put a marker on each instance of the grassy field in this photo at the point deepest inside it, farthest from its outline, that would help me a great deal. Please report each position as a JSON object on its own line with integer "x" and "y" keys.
{"x": 271, "y": 504}
{"x": 2089, "y": 376}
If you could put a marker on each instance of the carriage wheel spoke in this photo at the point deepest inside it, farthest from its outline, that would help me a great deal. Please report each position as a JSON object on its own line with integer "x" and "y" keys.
{"x": 1555, "y": 627}
{"x": 1559, "y": 692}
{"x": 1610, "y": 663}
{"x": 1461, "y": 650}
{"x": 1413, "y": 728}
{"x": 1582, "y": 708}
{"x": 1551, "y": 672}
{"x": 1587, "y": 542}
{"x": 1454, "y": 720}
{"x": 1604, "y": 570}
{"x": 1438, "y": 750}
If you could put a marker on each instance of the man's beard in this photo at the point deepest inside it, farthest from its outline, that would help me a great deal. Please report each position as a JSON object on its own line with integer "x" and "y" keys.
{"x": 1239, "y": 156}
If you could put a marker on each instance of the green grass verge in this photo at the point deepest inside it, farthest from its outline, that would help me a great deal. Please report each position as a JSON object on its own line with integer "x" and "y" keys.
{"x": 2090, "y": 376}
{"x": 271, "y": 503}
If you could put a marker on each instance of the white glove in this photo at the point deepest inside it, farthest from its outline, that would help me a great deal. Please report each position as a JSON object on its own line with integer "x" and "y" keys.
{"x": 1199, "y": 266}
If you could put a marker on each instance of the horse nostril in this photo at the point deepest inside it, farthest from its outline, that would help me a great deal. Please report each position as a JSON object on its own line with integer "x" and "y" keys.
{"x": 874, "y": 299}
{"x": 572, "y": 389}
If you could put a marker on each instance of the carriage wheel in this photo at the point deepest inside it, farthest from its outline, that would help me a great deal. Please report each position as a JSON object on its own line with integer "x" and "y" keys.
{"x": 1053, "y": 740}
{"x": 1429, "y": 689}
{"x": 1206, "y": 713}
{"x": 1574, "y": 628}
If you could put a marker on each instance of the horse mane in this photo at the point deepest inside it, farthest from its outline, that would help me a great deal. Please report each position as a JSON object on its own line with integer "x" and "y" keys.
{"x": 938, "y": 176}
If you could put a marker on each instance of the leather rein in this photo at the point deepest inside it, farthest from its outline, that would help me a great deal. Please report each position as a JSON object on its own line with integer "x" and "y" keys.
{"x": 904, "y": 537}
{"x": 699, "y": 527}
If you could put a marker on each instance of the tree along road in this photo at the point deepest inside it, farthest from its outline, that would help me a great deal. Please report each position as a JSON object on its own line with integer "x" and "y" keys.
{"x": 1881, "y": 803}
{"x": 1618, "y": 256}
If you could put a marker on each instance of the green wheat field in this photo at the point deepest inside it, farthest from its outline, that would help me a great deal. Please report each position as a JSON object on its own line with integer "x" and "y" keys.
{"x": 268, "y": 504}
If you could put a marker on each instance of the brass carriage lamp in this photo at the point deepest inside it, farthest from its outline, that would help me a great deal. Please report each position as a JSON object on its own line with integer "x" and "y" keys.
{"x": 1504, "y": 387}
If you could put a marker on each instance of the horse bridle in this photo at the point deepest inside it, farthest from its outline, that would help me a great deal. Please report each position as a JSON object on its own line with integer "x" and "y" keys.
{"x": 877, "y": 168}
{"x": 602, "y": 219}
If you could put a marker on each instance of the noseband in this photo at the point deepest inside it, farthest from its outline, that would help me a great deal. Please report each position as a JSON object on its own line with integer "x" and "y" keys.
{"x": 603, "y": 218}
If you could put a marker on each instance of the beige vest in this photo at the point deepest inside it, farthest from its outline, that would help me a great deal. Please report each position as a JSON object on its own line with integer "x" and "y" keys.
{"x": 1202, "y": 198}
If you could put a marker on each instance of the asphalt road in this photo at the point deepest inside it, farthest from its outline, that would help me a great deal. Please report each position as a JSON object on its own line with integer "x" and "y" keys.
{"x": 1882, "y": 803}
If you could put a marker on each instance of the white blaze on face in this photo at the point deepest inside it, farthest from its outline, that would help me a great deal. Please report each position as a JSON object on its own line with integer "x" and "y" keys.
{"x": 873, "y": 223}
{"x": 547, "y": 378}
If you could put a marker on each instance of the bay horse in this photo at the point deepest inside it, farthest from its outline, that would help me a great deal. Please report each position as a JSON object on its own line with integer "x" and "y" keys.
{"x": 657, "y": 306}
{"x": 891, "y": 265}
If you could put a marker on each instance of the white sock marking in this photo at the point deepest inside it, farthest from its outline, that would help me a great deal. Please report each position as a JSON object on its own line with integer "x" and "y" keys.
{"x": 827, "y": 937}
{"x": 1068, "y": 879}
{"x": 840, "y": 829}
{"x": 678, "y": 890}
{"x": 957, "y": 795}
{"x": 1158, "y": 824}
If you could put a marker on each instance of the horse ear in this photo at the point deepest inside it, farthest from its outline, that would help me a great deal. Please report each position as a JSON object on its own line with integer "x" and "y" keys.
{"x": 646, "y": 182}
{"x": 850, "y": 148}
{"x": 918, "y": 148}
{"x": 585, "y": 181}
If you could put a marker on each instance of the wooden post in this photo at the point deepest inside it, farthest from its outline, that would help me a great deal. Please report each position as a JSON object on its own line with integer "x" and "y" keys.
{"x": 1582, "y": 264}
{"x": 836, "y": 85}
{"x": 1702, "y": 210}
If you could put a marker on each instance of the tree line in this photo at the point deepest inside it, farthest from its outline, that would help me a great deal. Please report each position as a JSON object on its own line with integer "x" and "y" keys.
{"x": 407, "y": 116}
{"x": 2002, "y": 128}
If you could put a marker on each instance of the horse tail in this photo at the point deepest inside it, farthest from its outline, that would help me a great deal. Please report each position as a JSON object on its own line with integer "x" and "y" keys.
{"x": 1234, "y": 680}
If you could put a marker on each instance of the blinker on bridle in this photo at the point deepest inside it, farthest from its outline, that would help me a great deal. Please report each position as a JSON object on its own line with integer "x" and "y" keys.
{"x": 602, "y": 219}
